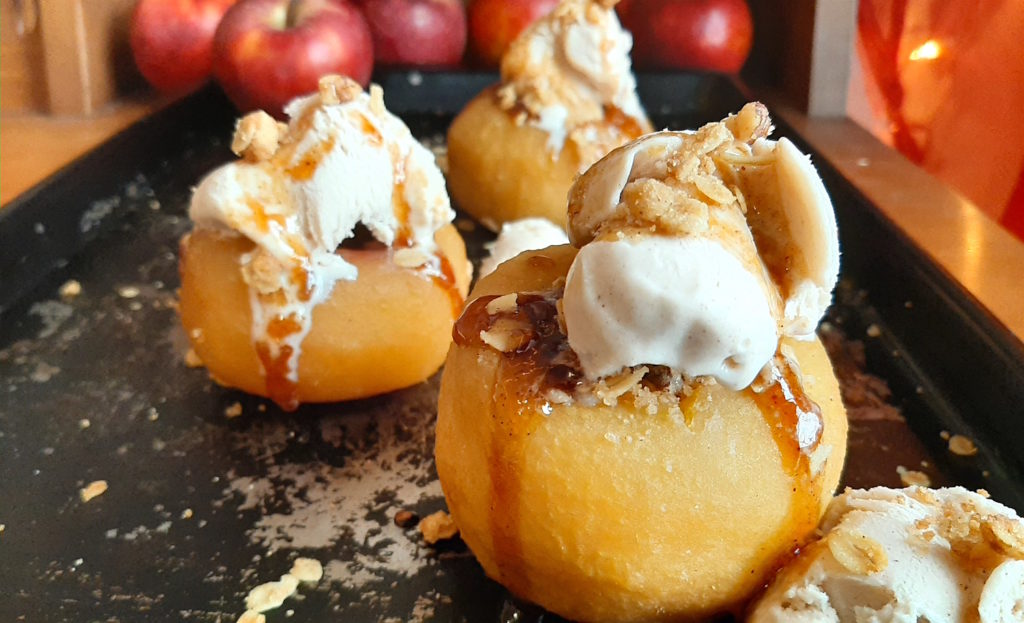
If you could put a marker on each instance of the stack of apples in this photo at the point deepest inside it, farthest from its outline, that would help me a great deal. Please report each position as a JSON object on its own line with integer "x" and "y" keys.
{"x": 265, "y": 52}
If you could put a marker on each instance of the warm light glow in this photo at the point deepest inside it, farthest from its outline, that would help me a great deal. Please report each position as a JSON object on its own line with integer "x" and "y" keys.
{"x": 929, "y": 50}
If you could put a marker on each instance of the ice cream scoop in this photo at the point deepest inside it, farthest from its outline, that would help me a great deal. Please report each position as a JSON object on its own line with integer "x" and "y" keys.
{"x": 570, "y": 68}
{"x": 698, "y": 251}
{"x": 523, "y": 235}
{"x": 916, "y": 554}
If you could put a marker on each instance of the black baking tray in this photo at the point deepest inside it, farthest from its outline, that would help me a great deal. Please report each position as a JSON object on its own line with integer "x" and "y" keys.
{"x": 202, "y": 507}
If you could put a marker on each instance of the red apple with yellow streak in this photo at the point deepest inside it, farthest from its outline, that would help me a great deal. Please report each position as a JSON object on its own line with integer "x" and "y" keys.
{"x": 267, "y": 52}
{"x": 172, "y": 41}
{"x": 494, "y": 24}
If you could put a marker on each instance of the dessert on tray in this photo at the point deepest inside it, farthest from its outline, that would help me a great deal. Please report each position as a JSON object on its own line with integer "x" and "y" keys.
{"x": 642, "y": 425}
{"x": 323, "y": 265}
{"x": 916, "y": 554}
{"x": 567, "y": 97}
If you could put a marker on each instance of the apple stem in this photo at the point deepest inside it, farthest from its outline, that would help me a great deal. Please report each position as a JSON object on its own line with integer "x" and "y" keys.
{"x": 293, "y": 13}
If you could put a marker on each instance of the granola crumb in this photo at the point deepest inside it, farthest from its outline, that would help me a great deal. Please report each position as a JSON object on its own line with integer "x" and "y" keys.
{"x": 84, "y": 423}
{"x": 962, "y": 446}
{"x": 192, "y": 360}
{"x": 257, "y": 136}
{"x": 251, "y": 616}
{"x": 307, "y": 570}
{"x": 186, "y": 514}
{"x": 438, "y": 526}
{"x": 233, "y": 410}
{"x": 337, "y": 89}
{"x": 70, "y": 289}
{"x": 93, "y": 489}
{"x": 128, "y": 292}
{"x": 913, "y": 477}
{"x": 873, "y": 330}
{"x": 3, "y": 527}
{"x": 271, "y": 594}
{"x": 405, "y": 519}
{"x": 944, "y": 435}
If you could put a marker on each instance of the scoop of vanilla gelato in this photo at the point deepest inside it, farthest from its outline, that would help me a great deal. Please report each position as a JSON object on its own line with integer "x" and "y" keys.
{"x": 916, "y": 554}
{"x": 699, "y": 251}
{"x": 516, "y": 237}
{"x": 572, "y": 68}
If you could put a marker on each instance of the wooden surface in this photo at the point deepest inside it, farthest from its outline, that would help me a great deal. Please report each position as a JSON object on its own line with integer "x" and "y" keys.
{"x": 34, "y": 146}
{"x": 21, "y": 59}
{"x": 85, "y": 44}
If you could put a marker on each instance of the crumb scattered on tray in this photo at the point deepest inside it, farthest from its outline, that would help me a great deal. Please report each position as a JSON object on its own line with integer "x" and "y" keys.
{"x": 233, "y": 410}
{"x": 438, "y": 526}
{"x": 307, "y": 570}
{"x": 944, "y": 435}
{"x": 192, "y": 360}
{"x": 152, "y": 414}
{"x": 186, "y": 514}
{"x": 873, "y": 330}
{"x": 128, "y": 292}
{"x": 93, "y": 489}
{"x": 3, "y": 527}
{"x": 866, "y": 396}
{"x": 84, "y": 423}
{"x": 271, "y": 594}
{"x": 70, "y": 289}
{"x": 251, "y": 616}
{"x": 962, "y": 446}
{"x": 912, "y": 477}
{"x": 405, "y": 519}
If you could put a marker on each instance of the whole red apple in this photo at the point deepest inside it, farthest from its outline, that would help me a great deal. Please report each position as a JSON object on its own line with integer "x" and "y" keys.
{"x": 420, "y": 33}
{"x": 172, "y": 41}
{"x": 266, "y": 52}
{"x": 713, "y": 35}
{"x": 494, "y": 24}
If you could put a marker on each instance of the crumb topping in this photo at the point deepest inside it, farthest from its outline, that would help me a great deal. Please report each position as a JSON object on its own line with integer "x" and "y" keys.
{"x": 438, "y": 526}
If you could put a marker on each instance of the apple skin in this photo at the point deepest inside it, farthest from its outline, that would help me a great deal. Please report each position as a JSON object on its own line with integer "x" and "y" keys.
{"x": 172, "y": 41}
{"x": 494, "y": 24}
{"x": 710, "y": 35}
{"x": 267, "y": 52}
{"x": 417, "y": 33}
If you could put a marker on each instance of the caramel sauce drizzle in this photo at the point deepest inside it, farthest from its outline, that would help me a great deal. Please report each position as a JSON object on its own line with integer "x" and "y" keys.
{"x": 543, "y": 360}
{"x": 626, "y": 125}
{"x": 787, "y": 410}
{"x": 307, "y": 165}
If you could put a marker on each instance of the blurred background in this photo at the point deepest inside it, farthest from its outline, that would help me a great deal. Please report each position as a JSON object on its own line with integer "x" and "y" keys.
{"x": 941, "y": 82}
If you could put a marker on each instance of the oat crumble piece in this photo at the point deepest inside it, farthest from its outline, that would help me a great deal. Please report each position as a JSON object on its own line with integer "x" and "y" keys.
{"x": 912, "y": 477}
{"x": 233, "y": 410}
{"x": 438, "y": 526}
{"x": 307, "y": 570}
{"x": 335, "y": 89}
{"x": 257, "y": 136}
{"x": 271, "y": 594}
{"x": 192, "y": 359}
{"x": 251, "y": 616}
{"x": 93, "y": 489}
{"x": 962, "y": 446}
{"x": 70, "y": 289}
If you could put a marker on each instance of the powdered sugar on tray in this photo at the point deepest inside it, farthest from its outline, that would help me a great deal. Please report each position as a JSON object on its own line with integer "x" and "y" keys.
{"x": 387, "y": 466}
